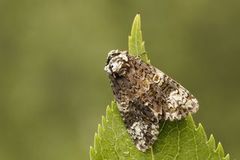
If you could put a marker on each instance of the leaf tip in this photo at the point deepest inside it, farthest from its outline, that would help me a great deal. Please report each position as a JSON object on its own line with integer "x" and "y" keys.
{"x": 227, "y": 157}
{"x": 135, "y": 42}
{"x": 190, "y": 121}
{"x": 104, "y": 121}
{"x": 96, "y": 142}
{"x": 137, "y": 18}
{"x": 220, "y": 150}
{"x": 211, "y": 142}
{"x": 113, "y": 103}
{"x": 91, "y": 152}
{"x": 109, "y": 110}
{"x": 201, "y": 130}
{"x": 137, "y": 21}
{"x": 100, "y": 129}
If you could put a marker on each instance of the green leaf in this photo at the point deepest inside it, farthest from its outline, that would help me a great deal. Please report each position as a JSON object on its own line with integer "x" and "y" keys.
{"x": 135, "y": 42}
{"x": 180, "y": 140}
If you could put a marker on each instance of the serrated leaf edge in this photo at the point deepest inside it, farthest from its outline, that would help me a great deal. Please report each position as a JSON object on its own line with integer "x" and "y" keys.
{"x": 199, "y": 129}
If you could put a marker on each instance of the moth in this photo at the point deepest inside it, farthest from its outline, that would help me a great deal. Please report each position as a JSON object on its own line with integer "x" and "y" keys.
{"x": 145, "y": 95}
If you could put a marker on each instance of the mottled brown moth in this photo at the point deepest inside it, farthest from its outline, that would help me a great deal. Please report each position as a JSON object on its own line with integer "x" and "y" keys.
{"x": 145, "y": 95}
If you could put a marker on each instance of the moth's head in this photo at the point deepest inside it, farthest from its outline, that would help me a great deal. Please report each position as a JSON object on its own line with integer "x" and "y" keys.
{"x": 116, "y": 62}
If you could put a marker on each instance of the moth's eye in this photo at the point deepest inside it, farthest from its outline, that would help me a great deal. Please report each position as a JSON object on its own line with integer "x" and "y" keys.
{"x": 111, "y": 66}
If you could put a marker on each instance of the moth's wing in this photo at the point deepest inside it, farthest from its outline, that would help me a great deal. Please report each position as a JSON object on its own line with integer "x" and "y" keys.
{"x": 141, "y": 124}
{"x": 178, "y": 102}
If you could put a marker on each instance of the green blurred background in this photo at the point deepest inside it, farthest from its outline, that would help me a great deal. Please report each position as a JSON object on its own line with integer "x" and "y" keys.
{"x": 53, "y": 90}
